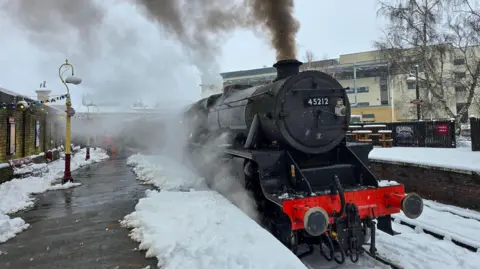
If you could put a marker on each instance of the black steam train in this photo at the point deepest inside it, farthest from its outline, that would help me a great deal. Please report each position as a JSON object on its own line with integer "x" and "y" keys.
{"x": 310, "y": 186}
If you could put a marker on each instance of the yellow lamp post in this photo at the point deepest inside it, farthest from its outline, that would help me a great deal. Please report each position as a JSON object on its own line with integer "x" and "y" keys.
{"x": 67, "y": 176}
{"x": 87, "y": 157}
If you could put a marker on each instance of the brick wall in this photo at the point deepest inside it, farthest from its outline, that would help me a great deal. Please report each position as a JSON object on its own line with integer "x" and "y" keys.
{"x": 460, "y": 188}
{"x": 25, "y": 121}
{"x": 18, "y": 116}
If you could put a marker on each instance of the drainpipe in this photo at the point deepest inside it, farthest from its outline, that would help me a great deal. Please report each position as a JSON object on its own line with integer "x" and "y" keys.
{"x": 355, "y": 82}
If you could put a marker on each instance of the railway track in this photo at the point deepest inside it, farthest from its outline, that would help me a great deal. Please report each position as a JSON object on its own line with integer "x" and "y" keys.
{"x": 439, "y": 234}
{"x": 433, "y": 231}
{"x": 385, "y": 261}
{"x": 465, "y": 215}
{"x": 316, "y": 261}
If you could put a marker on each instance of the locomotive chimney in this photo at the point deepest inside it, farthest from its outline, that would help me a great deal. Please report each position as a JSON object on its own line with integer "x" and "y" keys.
{"x": 286, "y": 68}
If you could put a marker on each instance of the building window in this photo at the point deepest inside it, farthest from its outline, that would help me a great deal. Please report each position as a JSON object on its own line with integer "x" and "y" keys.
{"x": 368, "y": 116}
{"x": 362, "y": 89}
{"x": 383, "y": 88}
{"x": 460, "y": 89}
{"x": 460, "y": 75}
{"x": 363, "y": 104}
{"x": 359, "y": 90}
{"x": 413, "y": 85}
{"x": 459, "y": 61}
{"x": 384, "y": 102}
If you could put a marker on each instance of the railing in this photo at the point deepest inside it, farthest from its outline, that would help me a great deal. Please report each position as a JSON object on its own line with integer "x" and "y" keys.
{"x": 439, "y": 134}
{"x": 475, "y": 133}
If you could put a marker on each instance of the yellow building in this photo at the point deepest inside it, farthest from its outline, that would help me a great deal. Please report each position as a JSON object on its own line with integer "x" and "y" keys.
{"x": 366, "y": 78}
{"x": 374, "y": 114}
{"x": 372, "y": 89}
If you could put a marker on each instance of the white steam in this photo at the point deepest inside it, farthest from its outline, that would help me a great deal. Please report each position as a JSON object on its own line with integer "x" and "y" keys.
{"x": 221, "y": 175}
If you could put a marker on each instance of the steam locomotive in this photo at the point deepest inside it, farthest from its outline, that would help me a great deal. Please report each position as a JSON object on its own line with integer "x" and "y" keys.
{"x": 288, "y": 138}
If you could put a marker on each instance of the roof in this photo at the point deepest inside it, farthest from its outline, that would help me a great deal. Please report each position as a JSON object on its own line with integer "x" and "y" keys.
{"x": 359, "y": 66}
{"x": 331, "y": 65}
{"x": 268, "y": 70}
{"x": 8, "y": 96}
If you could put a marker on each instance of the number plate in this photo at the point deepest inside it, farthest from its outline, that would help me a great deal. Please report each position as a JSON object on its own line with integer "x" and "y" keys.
{"x": 317, "y": 101}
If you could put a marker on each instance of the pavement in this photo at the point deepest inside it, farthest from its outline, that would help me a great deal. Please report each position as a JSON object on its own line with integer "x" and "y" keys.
{"x": 79, "y": 228}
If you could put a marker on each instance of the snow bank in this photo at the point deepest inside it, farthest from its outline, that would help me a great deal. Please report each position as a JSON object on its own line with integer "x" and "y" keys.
{"x": 65, "y": 186}
{"x": 453, "y": 158}
{"x": 16, "y": 194}
{"x": 187, "y": 228}
{"x": 164, "y": 173}
{"x": 204, "y": 230}
{"x": 10, "y": 227}
{"x": 29, "y": 168}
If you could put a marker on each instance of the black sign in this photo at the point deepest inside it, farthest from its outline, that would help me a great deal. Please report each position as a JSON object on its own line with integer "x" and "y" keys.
{"x": 317, "y": 101}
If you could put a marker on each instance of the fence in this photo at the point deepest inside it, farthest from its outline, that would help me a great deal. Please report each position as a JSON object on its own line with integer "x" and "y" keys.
{"x": 439, "y": 134}
{"x": 475, "y": 133}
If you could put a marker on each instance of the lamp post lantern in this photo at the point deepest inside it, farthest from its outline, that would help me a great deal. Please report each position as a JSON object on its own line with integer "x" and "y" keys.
{"x": 67, "y": 176}
{"x": 417, "y": 90}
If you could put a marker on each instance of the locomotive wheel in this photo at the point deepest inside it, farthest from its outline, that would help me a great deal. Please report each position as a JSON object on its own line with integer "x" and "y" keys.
{"x": 281, "y": 228}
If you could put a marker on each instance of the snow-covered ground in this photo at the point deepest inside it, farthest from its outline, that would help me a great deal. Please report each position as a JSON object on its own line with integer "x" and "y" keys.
{"x": 164, "y": 173}
{"x": 185, "y": 225}
{"x": 452, "y": 222}
{"x": 447, "y": 224}
{"x": 202, "y": 229}
{"x": 417, "y": 250}
{"x": 15, "y": 195}
{"x": 453, "y": 158}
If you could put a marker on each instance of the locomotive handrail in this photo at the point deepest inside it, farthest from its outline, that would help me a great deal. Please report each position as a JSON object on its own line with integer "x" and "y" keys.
{"x": 215, "y": 109}
{"x": 301, "y": 174}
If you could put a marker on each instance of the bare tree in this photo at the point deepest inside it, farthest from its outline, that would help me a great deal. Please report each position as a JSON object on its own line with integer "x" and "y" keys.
{"x": 434, "y": 34}
{"x": 309, "y": 58}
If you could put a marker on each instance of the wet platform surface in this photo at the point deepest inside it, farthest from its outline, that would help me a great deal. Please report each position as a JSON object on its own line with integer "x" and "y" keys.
{"x": 79, "y": 228}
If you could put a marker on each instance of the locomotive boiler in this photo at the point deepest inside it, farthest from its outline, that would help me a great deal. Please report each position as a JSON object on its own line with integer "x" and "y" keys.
{"x": 288, "y": 138}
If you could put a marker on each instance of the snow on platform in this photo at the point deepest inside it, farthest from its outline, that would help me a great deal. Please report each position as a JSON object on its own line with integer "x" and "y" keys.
{"x": 164, "y": 173}
{"x": 186, "y": 225}
{"x": 15, "y": 194}
{"x": 450, "y": 158}
{"x": 204, "y": 230}
{"x": 416, "y": 250}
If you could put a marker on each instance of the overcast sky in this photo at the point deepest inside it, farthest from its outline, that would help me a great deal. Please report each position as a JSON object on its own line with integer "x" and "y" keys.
{"x": 131, "y": 59}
